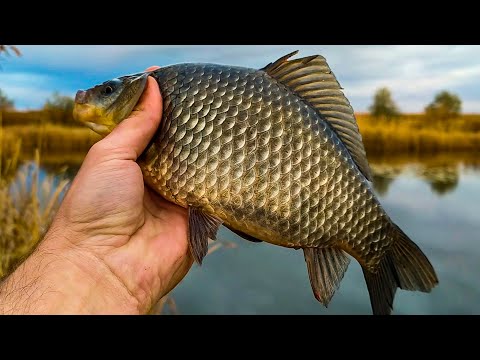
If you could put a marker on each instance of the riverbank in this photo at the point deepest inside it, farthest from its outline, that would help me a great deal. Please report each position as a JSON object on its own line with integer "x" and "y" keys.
{"x": 407, "y": 134}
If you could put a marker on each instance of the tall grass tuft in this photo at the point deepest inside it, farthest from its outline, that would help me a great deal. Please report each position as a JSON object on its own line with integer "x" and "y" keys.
{"x": 28, "y": 202}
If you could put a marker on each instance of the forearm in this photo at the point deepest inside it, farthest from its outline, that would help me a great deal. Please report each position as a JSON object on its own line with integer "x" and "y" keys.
{"x": 58, "y": 279}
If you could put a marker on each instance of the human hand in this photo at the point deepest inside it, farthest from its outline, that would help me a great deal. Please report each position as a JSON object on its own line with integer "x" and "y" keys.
{"x": 114, "y": 244}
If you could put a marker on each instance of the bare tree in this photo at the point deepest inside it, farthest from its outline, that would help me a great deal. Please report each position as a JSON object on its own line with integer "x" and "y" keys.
{"x": 6, "y": 49}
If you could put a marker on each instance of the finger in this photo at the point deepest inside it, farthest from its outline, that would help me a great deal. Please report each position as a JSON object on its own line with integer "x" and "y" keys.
{"x": 152, "y": 68}
{"x": 135, "y": 132}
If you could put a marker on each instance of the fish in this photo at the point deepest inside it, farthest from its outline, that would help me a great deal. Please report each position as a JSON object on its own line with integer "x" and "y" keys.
{"x": 275, "y": 155}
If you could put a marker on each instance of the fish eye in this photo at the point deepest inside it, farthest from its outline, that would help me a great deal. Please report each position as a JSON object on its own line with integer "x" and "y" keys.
{"x": 110, "y": 87}
{"x": 108, "y": 90}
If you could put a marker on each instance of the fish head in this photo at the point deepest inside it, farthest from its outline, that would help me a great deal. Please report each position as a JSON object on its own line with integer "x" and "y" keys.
{"x": 104, "y": 106}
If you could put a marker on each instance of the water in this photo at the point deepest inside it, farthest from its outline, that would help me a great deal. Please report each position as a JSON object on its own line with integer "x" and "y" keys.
{"x": 433, "y": 199}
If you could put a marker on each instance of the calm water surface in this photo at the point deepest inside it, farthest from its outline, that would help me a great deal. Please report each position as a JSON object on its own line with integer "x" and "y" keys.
{"x": 435, "y": 200}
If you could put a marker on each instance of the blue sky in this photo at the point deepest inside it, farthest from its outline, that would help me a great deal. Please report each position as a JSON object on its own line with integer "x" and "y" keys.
{"x": 414, "y": 73}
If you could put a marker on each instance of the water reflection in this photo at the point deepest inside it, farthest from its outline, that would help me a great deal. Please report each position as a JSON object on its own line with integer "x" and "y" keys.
{"x": 441, "y": 171}
{"x": 442, "y": 180}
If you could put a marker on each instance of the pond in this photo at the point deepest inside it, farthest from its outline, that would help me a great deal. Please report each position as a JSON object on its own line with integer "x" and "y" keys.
{"x": 434, "y": 199}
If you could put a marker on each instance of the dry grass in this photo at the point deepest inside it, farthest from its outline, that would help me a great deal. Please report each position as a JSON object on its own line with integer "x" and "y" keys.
{"x": 51, "y": 138}
{"x": 27, "y": 206}
{"x": 57, "y": 116}
{"x": 23, "y": 118}
{"x": 416, "y": 134}
{"x": 27, "y": 203}
{"x": 412, "y": 133}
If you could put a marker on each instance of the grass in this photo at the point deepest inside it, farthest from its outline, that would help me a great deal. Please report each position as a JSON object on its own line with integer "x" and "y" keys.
{"x": 410, "y": 133}
{"x": 39, "y": 117}
{"x": 27, "y": 203}
{"x": 37, "y": 130}
{"x": 416, "y": 134}
{"x": 27, "y": 207}
{"x": 53, "y": 138}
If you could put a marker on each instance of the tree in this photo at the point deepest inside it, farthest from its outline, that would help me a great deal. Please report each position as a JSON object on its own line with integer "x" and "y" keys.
{"x": 383, "y": 104}
{"x": 445, "y": 106}
{"x": 59, "y": 109}
{"x": 5, "y": 102}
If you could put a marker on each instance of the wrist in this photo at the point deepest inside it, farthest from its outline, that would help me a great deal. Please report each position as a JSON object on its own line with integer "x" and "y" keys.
{"x": 61, "y": 278}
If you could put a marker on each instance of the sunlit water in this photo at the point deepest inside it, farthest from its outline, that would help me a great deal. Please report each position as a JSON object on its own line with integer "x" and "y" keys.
{"x": 435, "y": 201}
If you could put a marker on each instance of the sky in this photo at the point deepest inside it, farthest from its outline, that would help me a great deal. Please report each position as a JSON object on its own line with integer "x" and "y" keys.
{"x": 413, "y": 73}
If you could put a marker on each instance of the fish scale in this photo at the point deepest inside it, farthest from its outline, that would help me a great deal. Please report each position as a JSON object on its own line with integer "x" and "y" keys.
{"x": 265, "y": 141}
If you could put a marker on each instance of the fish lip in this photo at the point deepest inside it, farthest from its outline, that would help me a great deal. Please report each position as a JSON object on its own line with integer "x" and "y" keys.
{"x": 98, "y": 128}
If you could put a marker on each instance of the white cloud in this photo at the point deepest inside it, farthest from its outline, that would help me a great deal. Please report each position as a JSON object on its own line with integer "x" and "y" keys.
{"x": 27, "y": 88}
{"x": 471, "y": 106}
{"x": 414, "y": 73}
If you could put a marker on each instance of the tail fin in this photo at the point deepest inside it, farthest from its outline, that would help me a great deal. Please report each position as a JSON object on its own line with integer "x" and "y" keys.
{"x": 405, "y": 266}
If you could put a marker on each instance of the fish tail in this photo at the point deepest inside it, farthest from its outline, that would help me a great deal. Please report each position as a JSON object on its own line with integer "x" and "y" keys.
{"x": 404, "y": 266}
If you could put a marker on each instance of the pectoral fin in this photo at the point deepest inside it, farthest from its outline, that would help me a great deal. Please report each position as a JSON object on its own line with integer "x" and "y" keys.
{"x": 201, "y": 227}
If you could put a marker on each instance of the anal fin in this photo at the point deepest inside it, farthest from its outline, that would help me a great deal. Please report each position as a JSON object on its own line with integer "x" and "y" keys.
{"x": 201, "y": 227}
{"x": 326, "y": 268}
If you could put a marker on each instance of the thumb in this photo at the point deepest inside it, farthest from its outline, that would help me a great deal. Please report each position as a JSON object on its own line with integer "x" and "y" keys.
{"x": 134, "y": 133}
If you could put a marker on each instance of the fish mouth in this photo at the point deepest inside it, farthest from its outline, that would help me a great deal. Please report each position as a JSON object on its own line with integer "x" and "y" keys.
{"x": 90, "y": 116}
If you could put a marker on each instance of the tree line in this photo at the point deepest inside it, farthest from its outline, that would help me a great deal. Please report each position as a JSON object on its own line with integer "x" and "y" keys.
{"x": 444, "y": 106}
{"x": 58, "y": 108}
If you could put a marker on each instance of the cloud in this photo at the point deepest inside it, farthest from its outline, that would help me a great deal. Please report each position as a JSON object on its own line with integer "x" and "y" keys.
{"x": 471, "y": 106}
{"x": 28, "y": 90}
{"x": 414, "y": 73}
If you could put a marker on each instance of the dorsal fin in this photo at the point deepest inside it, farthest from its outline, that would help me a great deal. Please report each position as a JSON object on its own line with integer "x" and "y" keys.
{"x": 311, "y": 78}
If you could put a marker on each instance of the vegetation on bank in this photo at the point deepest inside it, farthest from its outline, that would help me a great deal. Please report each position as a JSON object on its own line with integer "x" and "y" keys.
{"x": 28, "y": 203}
{"x": 415, "y": 134}
{"x": 409, "y": 133}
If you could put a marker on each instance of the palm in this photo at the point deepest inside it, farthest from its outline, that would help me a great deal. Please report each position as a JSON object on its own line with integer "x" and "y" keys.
{"x": 154, "y": 256}
{"x": 139, "y": 235}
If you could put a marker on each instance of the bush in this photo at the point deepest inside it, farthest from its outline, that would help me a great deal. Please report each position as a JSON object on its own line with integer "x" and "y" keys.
{"x": 59, "y": 109}
{"x": 383, "y": 104}
{"x": 445, "y": 106}
{"x": 5, "y": 103}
